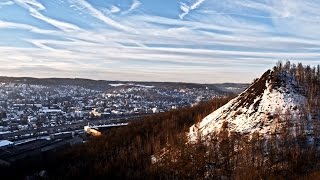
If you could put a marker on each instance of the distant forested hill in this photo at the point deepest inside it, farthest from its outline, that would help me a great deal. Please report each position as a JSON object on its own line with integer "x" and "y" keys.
{"x": 103, "y": 85}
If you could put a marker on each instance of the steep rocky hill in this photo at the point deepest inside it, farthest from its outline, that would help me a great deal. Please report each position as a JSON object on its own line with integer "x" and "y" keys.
{"x": 259, "y": 108}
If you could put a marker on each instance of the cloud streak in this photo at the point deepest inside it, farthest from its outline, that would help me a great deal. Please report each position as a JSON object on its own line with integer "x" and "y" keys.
{"x": 34, "y": 9}
{"x": 7, "y": 3}
{"x": 135, "y": 5}
{"x": 99, "y": 15}
{"x": 187, "y": 9}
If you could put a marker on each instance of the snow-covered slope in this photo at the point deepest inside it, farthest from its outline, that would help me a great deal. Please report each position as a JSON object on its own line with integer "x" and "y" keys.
{"x": 257, "y": 108}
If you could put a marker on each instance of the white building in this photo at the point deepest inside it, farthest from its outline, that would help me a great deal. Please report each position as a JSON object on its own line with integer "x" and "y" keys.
{"x": 5, "y": 143}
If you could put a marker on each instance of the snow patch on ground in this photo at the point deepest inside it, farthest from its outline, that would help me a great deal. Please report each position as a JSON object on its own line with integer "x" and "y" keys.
{"x": 131, "y": 84}
{"x": 116, "y": 85}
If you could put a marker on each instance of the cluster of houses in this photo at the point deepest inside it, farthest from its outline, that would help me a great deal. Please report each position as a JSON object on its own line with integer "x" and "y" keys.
{"x": 26, "y": 106}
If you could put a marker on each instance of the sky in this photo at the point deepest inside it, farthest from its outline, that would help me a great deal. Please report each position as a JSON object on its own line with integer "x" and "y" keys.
{"x": 202, "y": 41}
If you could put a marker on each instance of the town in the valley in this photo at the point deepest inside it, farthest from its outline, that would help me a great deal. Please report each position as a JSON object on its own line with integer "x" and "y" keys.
{"x": 41, "y": 110}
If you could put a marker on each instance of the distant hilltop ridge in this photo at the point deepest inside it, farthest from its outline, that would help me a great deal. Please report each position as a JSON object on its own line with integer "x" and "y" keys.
{"x": 102, "y": 85}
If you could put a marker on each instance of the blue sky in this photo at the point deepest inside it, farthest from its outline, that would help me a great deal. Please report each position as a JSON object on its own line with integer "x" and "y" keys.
{"x": 204, "y": 41}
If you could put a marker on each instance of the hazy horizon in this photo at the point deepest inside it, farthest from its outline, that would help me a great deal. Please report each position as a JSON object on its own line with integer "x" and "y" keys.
{"x": 123, "y": 81}
{"x": 198, "y": 41}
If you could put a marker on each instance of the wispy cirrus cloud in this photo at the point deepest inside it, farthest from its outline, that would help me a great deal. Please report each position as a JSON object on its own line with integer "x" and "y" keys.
{"x": 187, "y": 8}
{"x": 134, "y": 40}
{"x": 30, "y": 4}
{"x": 99, "y": 15}
{"x": 114, "y": 9}
{"x": 6, "y": 3}
{"x": 34, "y": 9}
{"x": 135, "y": 4}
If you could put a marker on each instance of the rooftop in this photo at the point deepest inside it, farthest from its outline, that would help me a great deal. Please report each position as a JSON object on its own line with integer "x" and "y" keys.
{"x": 5, "y": 143}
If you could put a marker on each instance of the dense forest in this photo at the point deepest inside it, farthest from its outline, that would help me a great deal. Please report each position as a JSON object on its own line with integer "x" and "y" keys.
{"x": 126, "y": 153}
{"x": 156, "y": 147}
{"x": 122, "y": 153}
